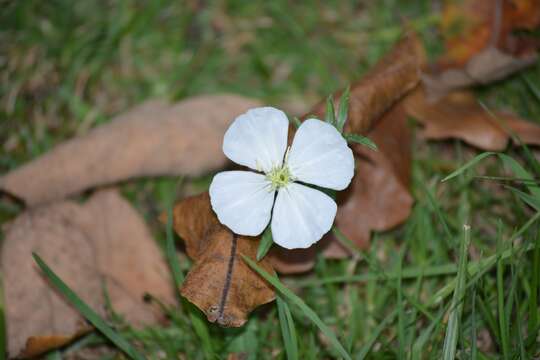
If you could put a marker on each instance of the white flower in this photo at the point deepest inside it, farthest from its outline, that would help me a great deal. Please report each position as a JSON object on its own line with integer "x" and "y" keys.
{"x": 301, "y": 215}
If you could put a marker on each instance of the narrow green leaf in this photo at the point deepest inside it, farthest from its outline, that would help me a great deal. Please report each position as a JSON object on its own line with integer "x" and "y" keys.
{"x": 362, "y": 140}
{"x": 418, "y": 351}
{"x": 87, "y": 312}
{"x": 521, "y": 173}
{"x": 288, "y": 331}
{"x": 308, "y": 312}
{"x": 265, "y": 244}
{"x": 296, "y": 122}
{"x": 343, "y": 109}
{"x": 364, "y": 351}
{"x": 474, "y": 337}
{"x": 330, "y": 111}
{"x": 468, "y": 165}
{"x": 503, "y": 327}
{"x": 400, "y": 309}
{"x": 532, "y": 325}
{"x": 528, "y": 199}
{"x": 452, "y": 329}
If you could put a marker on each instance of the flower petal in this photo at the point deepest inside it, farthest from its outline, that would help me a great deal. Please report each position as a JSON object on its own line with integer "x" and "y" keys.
{"x": 242, "y": 201}
{"x": 320, "y": 156}
{"x": 301, "y": 216}
{"x": 257, "y": 139}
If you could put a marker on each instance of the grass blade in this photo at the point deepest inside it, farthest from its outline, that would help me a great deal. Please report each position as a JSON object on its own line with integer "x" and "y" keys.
{"x": 362, "y": 140}
{"x": 330, "y": 111}
{"x": 364, "y": 351}
{"x": 468, "y": 165}
{"x": 87, "y": 312}
{"x": 452, "y": 330}
{"x": 293, "y": 298}
{"x": 521, "y": 173}
{"x": 288, "y": 331}
{"x": 503, "y": 327}
{"x": 265, "y": 244}
{"x": 343, "y": 109}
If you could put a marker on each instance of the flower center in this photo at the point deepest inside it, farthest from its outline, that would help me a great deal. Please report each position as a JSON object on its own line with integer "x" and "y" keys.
{"x": 279, "y": 177}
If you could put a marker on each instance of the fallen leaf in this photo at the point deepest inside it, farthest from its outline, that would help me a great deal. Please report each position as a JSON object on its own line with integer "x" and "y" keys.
{"x": 470, "y": 26}
{"x": 481, "y": 44}
{"x": 378, "y": 197}
{"x": 487, "y": 66}
{"x": 154, "y": 138}
{"x": 393, "y": 76}
{"x": 460, "y": 115}
{"x": 220, "y": 284}
{"x": 102, "y": 244}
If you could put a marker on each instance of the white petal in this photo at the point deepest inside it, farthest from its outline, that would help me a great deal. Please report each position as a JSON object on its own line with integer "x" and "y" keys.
{"x": 242, "y": 201}
{"x": 257, "y": 139}
{"x": 320, "y": 156}
{"x": 301, "y": 216}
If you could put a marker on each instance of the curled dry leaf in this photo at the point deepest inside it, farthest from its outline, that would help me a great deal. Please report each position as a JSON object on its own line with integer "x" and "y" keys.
{"x": 103, "y": 245}
{"x": 460, "y": 115}
{"x": 378, "y": 198}
{"x": 481, "y": 45}
{"x": 388, "y": 81}
{"x": 223, "y": 286}
{"x": 154, "y": 138}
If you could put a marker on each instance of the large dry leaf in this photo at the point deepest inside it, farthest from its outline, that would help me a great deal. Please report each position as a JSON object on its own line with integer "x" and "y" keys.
{"x": 378, "y": 198}
{"x": 388, "y": 81}
{"x": 481, "y": 46}
{"x": 220, "y": 283}
{"x": 459, "y": 115}
{"x": 154, "y": 138}
{"x": 103, "y": 244}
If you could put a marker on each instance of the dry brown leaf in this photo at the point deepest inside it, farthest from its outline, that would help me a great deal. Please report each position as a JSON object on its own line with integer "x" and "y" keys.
{"x": 460, "y": 115}
{"x": 481, "y": 46}
{"x": 383, "y": 85}
{"x": 487, "y": 66}
{"x": 154, "y": 138}
{"x": 470, "y": 26}
{"x": 378, "y": 198}
{"x": 220, "y": 283}
{"x": 103, "y": 243}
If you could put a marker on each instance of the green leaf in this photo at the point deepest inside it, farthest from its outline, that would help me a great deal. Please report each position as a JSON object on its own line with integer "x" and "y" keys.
{"x": 521, "y": 173}
{"x": 362, "y": 140}
{"x": 330, "y": 111}
{"x": 468, "y": 165}
{"x": 308, "y": 312}
{"x": 452, "y": 329}
{"x": 87, "y": 312}
{"x": 288, "y": 331}
{"x": 343, "y": 109}
{"x": 375, "y": 335}
{"x": 296, "y": 122}
{"x": 529, "y": 199}
{"x": 265, "y": 244}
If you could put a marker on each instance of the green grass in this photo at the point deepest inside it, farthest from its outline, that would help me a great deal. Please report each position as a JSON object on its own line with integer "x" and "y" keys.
{"x": 424, "y": 290}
